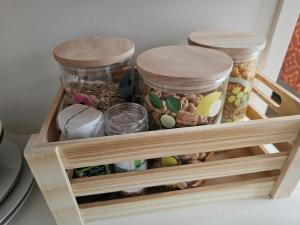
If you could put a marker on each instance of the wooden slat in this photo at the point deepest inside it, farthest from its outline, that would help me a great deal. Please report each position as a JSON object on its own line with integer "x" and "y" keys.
{"x": 253, "y": 114}
{"x": 129, "y": 206}
{"x": 147, "y": 145}
{"x": 53, "y": 182}
{"x": 290, "y": 104}
{"x": 48, "y": 132}
{"x": 170, "y": 175}
{"x": 290, "y": 175}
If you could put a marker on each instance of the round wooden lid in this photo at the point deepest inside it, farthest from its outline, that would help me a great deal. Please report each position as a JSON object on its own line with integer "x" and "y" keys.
{"x": 183, "y": 65}
{"x": 234, "y": 43}
{"x": 93, "y": 51}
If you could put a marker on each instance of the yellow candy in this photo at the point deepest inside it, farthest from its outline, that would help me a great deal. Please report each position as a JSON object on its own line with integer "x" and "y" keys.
{"x": 206, "y": 103}
{"x": 240, "y": 95}
{"x": 236, "y": 90}
{"x": 231, "y": 98}
{"x": 247, "y": 89}
{"x": 169, "y": 161}
{"x": 237, "y": 102}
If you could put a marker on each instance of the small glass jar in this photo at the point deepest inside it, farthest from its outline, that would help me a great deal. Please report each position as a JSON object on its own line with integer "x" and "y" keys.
{"x": 127, "y": 118}
{"x": 183, "y": 85}
{"x": 244, "y": 48}
{"x": 97, "y": 71}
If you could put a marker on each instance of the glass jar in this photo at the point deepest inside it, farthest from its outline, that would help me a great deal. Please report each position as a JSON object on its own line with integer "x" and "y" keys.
{"x": 97, "y": 71}
{"x": 127, "y": 118}
{"x": 183, "y": 85}
{"x": 244, "y": 48}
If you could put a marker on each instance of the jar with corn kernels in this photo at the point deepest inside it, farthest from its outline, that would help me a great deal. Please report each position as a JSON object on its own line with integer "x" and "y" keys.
{"x": 183, "y": 85}
{"x": 244, "y": 48}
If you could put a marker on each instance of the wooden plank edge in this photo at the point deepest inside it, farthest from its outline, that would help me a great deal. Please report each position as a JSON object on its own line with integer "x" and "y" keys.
{"x": 157, "y": 144}
{"x": 141, "y": 204}
{"x": 289, "y": 175}
{"x": 169, "y": 175}
{"x": 254, "y": 114}
{"x": 51, "y": 177}
{"x": 51, "y": 115}
{"x": 290, "y": 104}
{"x": 68, "y": 144}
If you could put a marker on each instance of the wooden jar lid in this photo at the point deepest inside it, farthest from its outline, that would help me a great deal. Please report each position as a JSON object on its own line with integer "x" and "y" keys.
{"x": 93, "y": 51}
{"x": 234, "y": 43}
{"x": 183, "y": 65}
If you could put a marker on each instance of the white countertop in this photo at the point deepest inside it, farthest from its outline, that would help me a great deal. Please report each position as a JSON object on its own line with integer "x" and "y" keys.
{"x": 259, "y": 211}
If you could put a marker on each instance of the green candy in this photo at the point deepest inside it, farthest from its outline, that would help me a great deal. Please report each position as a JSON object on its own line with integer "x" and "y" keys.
{"x": 167, "y": 121}
{"x": 236, "y": 90}
{"x": 245, "y": 98}
{"x": 247, "y": 89}
{"x": 231, "y": 98}
{"x": 173, "y": 104}
{"x": 237, "y": 102}
{"x": 156, "y": 101}
{"x": 240, "y": 95}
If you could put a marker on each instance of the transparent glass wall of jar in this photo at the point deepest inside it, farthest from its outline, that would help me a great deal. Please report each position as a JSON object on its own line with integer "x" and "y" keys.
{"x": 101, "y": 87}
{"x": 239, "y": 88}
{"x": 177, "y": 106}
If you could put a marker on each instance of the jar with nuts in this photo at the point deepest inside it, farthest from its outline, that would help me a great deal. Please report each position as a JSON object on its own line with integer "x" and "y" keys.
{"x": 183, "y": 85}
{"x": 97, "y": 71}
{"x": 244, "y": 48}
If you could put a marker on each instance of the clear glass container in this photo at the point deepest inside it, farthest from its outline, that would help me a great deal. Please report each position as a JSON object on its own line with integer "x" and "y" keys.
{"x": 244, "y": 48}
{"x": 127, "y": 118}
{"x": 183, "y": 85}
{"x": 178, "y": 106}
{"x": 97, "y": 71}
{"x": 239, "y": 87}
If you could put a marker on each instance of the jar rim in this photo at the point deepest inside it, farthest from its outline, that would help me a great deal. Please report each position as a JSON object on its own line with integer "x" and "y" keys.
{"x": 96, "y": 68}
{"x": 182, "y": 89}
{"x": 134, "y": 107}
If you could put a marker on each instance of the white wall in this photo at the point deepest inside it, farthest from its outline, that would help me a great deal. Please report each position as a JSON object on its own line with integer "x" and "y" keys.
{"x": 30, "y": 29}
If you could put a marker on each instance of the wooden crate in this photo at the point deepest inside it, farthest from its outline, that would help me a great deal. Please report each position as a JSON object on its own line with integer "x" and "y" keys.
{"x": 243, "y": 166}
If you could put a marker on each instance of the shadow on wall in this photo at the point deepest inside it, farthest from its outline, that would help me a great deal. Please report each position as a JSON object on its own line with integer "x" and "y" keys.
{"x": 25, "y": 91}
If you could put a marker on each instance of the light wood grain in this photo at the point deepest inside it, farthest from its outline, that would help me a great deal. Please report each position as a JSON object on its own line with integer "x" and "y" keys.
{"x": 237, "y": 44}
{"x": 147, "y": 145}
{"x": 184, "y": 66}
{"x": 290, "y": 175}
{"x": 170, "y": 175}
{"x": 290, "y": 104}
{"x": 254, "y": 114}
{"x": 94, "y": 51}
{"x": 130, "y": 206}
{"x": 49, "y": 131}
{"x": 54, "y": 184}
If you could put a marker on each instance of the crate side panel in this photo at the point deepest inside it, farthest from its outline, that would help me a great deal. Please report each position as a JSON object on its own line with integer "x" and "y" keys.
{"x": 118, "y": 208}
{"x": 170, "y": 175}
{"x": 147, "y": 145}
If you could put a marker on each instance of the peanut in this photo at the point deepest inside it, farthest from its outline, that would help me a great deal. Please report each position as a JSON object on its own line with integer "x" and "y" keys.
{"x": 186, "y": 118}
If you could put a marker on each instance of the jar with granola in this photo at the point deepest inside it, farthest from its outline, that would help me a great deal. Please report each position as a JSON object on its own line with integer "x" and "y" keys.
{"x": 97, "y": 71}
{"x": 244, "y": 48}
{"x": 183, "y": 85}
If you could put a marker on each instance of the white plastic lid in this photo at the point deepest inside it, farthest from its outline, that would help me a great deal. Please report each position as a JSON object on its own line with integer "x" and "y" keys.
{"x": 79, "y": 116}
